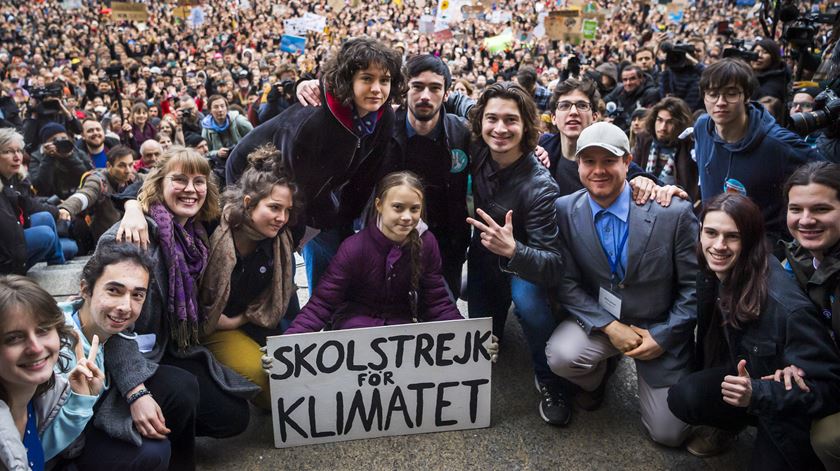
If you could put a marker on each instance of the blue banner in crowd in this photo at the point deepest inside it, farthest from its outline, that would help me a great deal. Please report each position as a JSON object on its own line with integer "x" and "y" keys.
{"x": 293, "y": 44}
{"x": 745, "y": 3}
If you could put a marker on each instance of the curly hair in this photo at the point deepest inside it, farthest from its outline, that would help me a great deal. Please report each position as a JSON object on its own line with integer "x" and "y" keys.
{"x": 525, "y": 104}
{"x": 265, "y": 171}
{"x": 358, "y": 54}
{"x": 186, "y": 160}
{"x": 21, "y": 296}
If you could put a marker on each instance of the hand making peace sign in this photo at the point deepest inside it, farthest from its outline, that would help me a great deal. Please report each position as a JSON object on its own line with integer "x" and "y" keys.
{"x": 495, "y": 238}
{"x": 86, "y": 378}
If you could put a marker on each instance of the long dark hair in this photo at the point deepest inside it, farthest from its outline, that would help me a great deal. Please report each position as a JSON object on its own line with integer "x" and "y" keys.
{"x": 265, "y": 171}
{"x": 415, "y": 244}
{"x": 20, "y": 295}
{"x": 743, "y": 293}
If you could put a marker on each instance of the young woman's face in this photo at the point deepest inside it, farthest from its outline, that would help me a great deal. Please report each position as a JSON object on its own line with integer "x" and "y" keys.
{"x": 184, "y": 194}
{"x": 139, "y": 117}
{"x": 371, "y": 87}
{"x": 813, "y": 217}
{"x": 720, "y": 240}
{"x": 271, "y": 213}
{"x": 28, "y": 350}
{"x": 116, "y": 299}
{"x": 400, "y": 210}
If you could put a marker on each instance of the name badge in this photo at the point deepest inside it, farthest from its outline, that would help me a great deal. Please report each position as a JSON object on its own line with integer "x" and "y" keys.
{"x": 145, "y": 342}
{"x": 610, "y": 302}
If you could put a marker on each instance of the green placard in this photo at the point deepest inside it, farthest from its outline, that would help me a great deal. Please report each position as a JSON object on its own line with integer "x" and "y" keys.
{"x": 589, "y": 29}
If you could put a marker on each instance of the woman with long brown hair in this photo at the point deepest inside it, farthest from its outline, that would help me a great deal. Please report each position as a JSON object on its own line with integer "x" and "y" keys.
{"x": 752, "y": 320}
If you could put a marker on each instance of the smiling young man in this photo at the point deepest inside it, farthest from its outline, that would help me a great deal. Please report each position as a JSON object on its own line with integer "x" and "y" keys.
{"x": 515, "y": 249}
{"x": 740, "y": 147}
{"x": 627, "y": 285}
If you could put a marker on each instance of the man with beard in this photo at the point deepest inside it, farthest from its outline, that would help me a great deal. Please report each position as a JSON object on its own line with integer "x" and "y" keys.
{"x": 94, "y": 143}
{"x": 434, "y": 145}
{"x": 660, "y": 152}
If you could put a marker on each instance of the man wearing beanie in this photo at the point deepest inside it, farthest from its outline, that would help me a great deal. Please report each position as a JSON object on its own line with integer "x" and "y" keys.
{"x": 56, "y": 168}
{"x": 628, "y": 285}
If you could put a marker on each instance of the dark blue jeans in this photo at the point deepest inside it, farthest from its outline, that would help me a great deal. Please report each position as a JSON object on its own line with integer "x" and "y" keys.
{"x": 43, "y": 243}
{"x": 490, "y": 292}
{"x": 318, "y": 252}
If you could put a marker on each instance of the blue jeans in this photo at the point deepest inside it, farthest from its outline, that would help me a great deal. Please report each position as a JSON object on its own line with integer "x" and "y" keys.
{"x": 42, "y": 241}
{"x": 490, "y": 294}
{"x": 318, "y": 252}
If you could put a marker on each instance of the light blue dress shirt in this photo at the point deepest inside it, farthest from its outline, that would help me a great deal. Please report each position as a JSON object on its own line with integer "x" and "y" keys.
{"x": 611, "y": 225}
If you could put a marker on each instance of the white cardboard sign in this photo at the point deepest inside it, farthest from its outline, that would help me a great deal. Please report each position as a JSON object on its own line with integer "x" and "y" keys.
{"x": 380, "y": 381}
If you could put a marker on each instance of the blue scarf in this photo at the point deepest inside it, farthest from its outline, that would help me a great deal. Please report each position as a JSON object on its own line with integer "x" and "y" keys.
{"x": 209, "y": 123}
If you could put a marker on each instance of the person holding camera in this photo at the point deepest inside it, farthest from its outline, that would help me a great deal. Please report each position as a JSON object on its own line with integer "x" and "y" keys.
{"x": 47, "y": 106}
{"x": 682, "y": 74}
{"x": 223, "y": 129}
{"x": 281, "y": 94}
{"x": 57, "y": 167}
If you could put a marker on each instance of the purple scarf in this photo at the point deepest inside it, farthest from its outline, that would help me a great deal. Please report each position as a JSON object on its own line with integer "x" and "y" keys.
{"x": 185, "y": 254}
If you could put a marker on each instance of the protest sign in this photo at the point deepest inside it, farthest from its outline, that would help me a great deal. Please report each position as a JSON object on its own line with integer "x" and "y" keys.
{"x": 71, "y": 4}
{"x": 590, "y": 29}
{"x": 380, "y": 381}
{"x": 564, "y": 25}
{"x": 122, "y": 11}
{"x": 427, "y": 24}
{"x": 313, "y": 22}
{"x": 293, "y": 44}
{"x": 295, "y": 26}
{"x": 196, "y": 17}
{"x": 495, "y": 44}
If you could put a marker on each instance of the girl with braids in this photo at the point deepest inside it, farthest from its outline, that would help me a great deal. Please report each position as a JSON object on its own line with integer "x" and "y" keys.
{"x": 388, "y": 273}
{"x": 251, "y": 256}
{"x": 752, "y": 319}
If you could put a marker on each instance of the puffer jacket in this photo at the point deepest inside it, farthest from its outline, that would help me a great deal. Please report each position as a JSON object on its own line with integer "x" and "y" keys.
{"x": 368, "y": 284}
{"x": 335, "y": 169}
{"x": 527, "y": 188}
{"x": 786, "y": 332}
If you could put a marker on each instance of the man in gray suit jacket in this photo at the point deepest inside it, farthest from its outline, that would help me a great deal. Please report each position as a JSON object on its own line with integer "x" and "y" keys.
{"x": 629, "y": 285}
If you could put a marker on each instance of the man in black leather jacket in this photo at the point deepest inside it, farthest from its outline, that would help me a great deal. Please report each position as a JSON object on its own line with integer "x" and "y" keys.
{"x": 515, "y": 250}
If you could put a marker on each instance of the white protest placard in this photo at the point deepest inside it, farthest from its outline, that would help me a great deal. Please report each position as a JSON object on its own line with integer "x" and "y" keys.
{"x": 380, "y": 381}
{"x": 314, "y": 22}
{"x": 295, "y": 26}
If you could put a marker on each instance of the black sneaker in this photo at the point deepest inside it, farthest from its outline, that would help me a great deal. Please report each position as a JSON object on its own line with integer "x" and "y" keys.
{"x": 553, "y": 406}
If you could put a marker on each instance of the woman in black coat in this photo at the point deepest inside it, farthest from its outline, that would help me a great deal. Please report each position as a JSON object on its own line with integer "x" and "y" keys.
{"x": 752, "y": 320}
{"x": 772, "y": 73}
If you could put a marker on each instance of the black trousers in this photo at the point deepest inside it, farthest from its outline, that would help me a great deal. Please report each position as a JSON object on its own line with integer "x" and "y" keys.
{"x": 697, "y": 400}
{"x": 176, "y": 392}
{"x": 219, "y": 414}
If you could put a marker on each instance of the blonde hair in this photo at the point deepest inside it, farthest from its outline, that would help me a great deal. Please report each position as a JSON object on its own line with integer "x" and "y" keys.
{"x": 188, "y": 161}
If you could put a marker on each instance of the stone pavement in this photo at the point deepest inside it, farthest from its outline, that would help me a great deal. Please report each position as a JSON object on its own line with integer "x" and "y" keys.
{"x": 610, "y": 438}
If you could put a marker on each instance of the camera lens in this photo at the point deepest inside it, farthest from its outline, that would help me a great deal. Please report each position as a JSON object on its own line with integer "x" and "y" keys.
{"x": 808, "y": 122}
{"x": 63, "y": 146}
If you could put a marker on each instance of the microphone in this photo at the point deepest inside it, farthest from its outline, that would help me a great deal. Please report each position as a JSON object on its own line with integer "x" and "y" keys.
{"x": 611, "y": 107}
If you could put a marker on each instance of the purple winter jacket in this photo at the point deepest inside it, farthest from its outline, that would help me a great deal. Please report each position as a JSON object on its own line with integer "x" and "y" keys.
{"x": 367, "y": 284}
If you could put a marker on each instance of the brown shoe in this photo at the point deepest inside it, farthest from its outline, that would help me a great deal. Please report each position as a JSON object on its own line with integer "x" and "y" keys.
{"x": 710, "y": 441}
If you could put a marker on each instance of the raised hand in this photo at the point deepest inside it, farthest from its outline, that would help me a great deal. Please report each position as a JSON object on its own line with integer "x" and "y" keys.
{"x": 495, "y": 238}
{"x": 86, "y": 379}
{"x": 737, "y": 390}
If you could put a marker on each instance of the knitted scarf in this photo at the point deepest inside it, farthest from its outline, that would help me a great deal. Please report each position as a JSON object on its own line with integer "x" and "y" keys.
{"x": 185, "y": 254}
{"x": 268, "y": 308}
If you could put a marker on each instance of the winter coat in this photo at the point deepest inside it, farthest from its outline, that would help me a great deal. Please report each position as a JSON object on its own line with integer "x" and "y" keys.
{"x": 683, "y": 83}
{"x": 787, "y": 332}
{"x": 238, "y": 128}
{"x": 94, "y": 197}
{"x": 761, "y": 162}
{"x": 335, "y": 169}
{"x": 685, "y": 169}
{"x": 137, "y": 136}
{"x": 58, "y": 175}
{"x": 645, "y": 96}
{"x": 129, "y": 367}
{"x": 16, "y": 206}
{"x": 822, "y": 285}
{"x": 773, "y": 82}
{"x": 368, "y": 283}
{"x": 527, "y": 188}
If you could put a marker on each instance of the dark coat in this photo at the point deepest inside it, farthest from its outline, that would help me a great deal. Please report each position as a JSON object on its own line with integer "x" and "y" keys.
{"x": 15, "y": 201}
{"x": 367, "y": 284}
{"x": 686, "y": 168}
{"x": 822, "y": 285}
{"x": 445, "y": 182}
{"x": 773, "y": 82}
{"x": 645, "y": 96}
{"x": 527, "y": 188}
{"x": 334, "y": 168}
{"x": 138, "y": 136}
{"x": 59, "y": 176}
{"x": 684, "y": 83}
{"x": 787, "y": 332}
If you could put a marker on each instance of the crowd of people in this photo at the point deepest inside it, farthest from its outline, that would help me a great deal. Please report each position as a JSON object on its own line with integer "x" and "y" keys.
{"x": 643, "y": 194}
